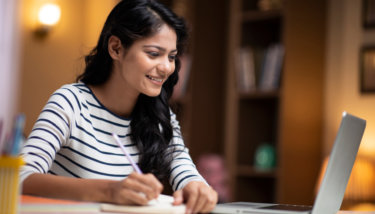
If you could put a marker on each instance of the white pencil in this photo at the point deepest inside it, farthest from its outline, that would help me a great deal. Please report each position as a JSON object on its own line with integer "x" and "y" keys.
{"x": 135, "y": 166}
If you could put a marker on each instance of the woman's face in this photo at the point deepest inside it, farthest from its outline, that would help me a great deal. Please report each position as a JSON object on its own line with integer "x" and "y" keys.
{"x": 148, "y": 63}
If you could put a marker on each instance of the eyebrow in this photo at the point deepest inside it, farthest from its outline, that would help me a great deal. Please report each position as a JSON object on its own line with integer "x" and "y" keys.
{"x": 159, "y": 48}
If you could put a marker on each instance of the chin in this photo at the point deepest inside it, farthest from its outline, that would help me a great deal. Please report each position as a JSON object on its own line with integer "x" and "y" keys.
{"x": 152, "y": 93}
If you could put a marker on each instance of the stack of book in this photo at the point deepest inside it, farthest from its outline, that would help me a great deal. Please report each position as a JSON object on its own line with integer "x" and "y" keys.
{"x": 259, "y": 69}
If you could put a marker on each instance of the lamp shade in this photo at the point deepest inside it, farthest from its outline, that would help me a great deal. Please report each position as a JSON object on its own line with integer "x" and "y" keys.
{"x": 361, "y": 185}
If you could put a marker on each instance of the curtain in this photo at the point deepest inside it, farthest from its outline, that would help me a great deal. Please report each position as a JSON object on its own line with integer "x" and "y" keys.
{"x": 9, "y": 52}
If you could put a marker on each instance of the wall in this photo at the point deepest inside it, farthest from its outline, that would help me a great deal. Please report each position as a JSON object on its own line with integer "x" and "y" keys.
{"x": 345, "y": 37}
{"x": 48, "y": 63}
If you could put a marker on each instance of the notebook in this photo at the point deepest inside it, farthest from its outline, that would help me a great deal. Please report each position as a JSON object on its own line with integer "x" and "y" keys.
{"x": 162, "y": 205}
{"x": 332, "y": 188}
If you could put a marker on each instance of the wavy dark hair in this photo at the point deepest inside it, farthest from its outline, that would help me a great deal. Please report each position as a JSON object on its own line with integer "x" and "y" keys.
{"x": 131, "y": 20}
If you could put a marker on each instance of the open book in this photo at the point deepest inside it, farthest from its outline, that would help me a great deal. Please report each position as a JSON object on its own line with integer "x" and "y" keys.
{"x": 162, "y": 205}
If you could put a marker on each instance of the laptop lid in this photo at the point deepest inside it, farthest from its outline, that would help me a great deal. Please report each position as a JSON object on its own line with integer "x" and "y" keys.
{"x": 340, "y": 164}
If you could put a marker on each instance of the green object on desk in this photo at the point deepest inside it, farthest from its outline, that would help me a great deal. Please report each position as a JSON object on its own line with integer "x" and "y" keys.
{"x": 265, "y": 157}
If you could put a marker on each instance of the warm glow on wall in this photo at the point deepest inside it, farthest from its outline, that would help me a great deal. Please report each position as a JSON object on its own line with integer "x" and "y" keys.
{"x": 368, "y": 144}
{"x": 49, "y": 14}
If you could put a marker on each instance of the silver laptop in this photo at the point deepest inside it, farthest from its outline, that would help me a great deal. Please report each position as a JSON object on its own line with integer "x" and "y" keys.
{"x": 332, "y": 188}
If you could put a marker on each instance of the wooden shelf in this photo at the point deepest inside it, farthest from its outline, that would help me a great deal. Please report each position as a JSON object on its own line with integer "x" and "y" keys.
{"x": 254, "y": 115}
{"x": 258, "y": 95}
{"x": 250, "y": 171}
{"x": 249, "y": 16}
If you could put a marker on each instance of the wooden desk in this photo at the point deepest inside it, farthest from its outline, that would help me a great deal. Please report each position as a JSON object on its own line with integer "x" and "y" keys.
{"x": 37, "y": 205}
{"x": 356, "y": 212}
{"x": 34, "y": 205}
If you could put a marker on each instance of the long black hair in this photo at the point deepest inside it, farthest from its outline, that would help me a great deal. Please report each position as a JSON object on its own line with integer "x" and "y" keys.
{"x": 151, "y": 128}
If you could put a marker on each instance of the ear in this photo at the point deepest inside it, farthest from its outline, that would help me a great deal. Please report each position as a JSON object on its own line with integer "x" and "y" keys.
{"x": 115, "y": 47}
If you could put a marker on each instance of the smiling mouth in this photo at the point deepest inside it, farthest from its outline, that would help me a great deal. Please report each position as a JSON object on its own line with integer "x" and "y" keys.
{"x": 155, "y": 79}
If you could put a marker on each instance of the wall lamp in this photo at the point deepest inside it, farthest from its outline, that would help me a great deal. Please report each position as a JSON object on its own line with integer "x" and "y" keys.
{"x": 48, "y": 16}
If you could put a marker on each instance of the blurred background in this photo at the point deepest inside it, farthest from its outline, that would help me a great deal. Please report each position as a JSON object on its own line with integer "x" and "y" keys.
{"x": 259, "y": 121}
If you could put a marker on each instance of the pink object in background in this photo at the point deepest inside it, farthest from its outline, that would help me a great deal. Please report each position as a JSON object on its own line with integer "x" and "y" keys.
{"x": 212, "y": 168}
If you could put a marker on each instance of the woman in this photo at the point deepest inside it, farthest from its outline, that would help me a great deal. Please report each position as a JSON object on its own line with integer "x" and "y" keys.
{"x": 125, "y": 89}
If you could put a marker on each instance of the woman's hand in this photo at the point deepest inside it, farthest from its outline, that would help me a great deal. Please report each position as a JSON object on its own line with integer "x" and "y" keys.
{"x": 135, "y": 189}
{"x": 198, "y": 197}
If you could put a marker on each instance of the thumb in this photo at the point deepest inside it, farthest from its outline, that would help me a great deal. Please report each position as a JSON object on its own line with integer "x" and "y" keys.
{"x": 178, "y": 198}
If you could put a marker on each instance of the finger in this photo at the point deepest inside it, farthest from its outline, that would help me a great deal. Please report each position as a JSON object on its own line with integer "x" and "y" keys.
{"x": 191, "y": 201}
{"x": 130, "y": 197}
{"x": 178, "y": 198}
{"x": 201, "y": 201}
{"x": 135, "y": 185}
{"x": 211, "y": 202}
{"x": 149, "y": 180}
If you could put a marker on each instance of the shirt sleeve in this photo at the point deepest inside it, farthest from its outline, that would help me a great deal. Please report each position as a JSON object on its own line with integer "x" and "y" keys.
{"x": 51, "y": 131}
{"x": 183, "y": 169}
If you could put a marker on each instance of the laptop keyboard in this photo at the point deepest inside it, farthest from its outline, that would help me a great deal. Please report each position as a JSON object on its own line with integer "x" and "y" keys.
{"x": 287, "y": 207}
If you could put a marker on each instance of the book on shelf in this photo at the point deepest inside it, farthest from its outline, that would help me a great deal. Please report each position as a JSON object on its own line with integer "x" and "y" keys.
{"x": 272, "y": 66}
{"x": 259, "y": 68}
{"x": 246, "y": 78}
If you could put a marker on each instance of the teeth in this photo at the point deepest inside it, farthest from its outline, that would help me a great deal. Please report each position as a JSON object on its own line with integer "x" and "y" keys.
{"x": 155, "y": 79}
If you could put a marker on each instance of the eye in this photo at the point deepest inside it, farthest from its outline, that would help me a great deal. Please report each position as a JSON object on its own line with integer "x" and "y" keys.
{"x": 153, "y": 53}
{"x": 172, "y": 57}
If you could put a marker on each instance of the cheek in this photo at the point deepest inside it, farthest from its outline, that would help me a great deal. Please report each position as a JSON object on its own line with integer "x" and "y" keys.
{"x": 132, "y": 74}
{"x": 135, "y": 68}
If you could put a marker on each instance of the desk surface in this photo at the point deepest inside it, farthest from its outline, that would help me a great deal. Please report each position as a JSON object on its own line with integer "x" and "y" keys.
{"x": 33, "y": 205}
{"x": 356, "y": 212}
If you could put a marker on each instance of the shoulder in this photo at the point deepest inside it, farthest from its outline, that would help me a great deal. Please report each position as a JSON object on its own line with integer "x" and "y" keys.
{"x": 70, "y": 94}
{"x": 73, "y": 88}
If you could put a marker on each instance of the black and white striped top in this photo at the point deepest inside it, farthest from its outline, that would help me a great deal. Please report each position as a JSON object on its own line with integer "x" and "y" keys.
{"x": 73, "y": 137}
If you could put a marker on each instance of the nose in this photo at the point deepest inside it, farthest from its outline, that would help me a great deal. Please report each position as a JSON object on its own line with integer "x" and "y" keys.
{"x": 166, "y": 66}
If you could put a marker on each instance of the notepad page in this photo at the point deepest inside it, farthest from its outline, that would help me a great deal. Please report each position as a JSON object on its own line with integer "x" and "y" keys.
{"x": 164, "y": 204}
{"x": 162, "y": 199}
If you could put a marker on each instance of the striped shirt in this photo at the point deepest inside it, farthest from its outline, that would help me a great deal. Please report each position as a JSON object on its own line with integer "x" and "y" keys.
{"x": 73, "y": 137}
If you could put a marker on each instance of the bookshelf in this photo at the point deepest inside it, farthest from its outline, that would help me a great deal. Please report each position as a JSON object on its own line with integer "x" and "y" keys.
{"x": 275, "y": 116}
{"x": 252, "y": 115}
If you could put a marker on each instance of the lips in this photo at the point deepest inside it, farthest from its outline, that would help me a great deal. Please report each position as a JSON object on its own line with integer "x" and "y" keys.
{"x": 155, "y": 79}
